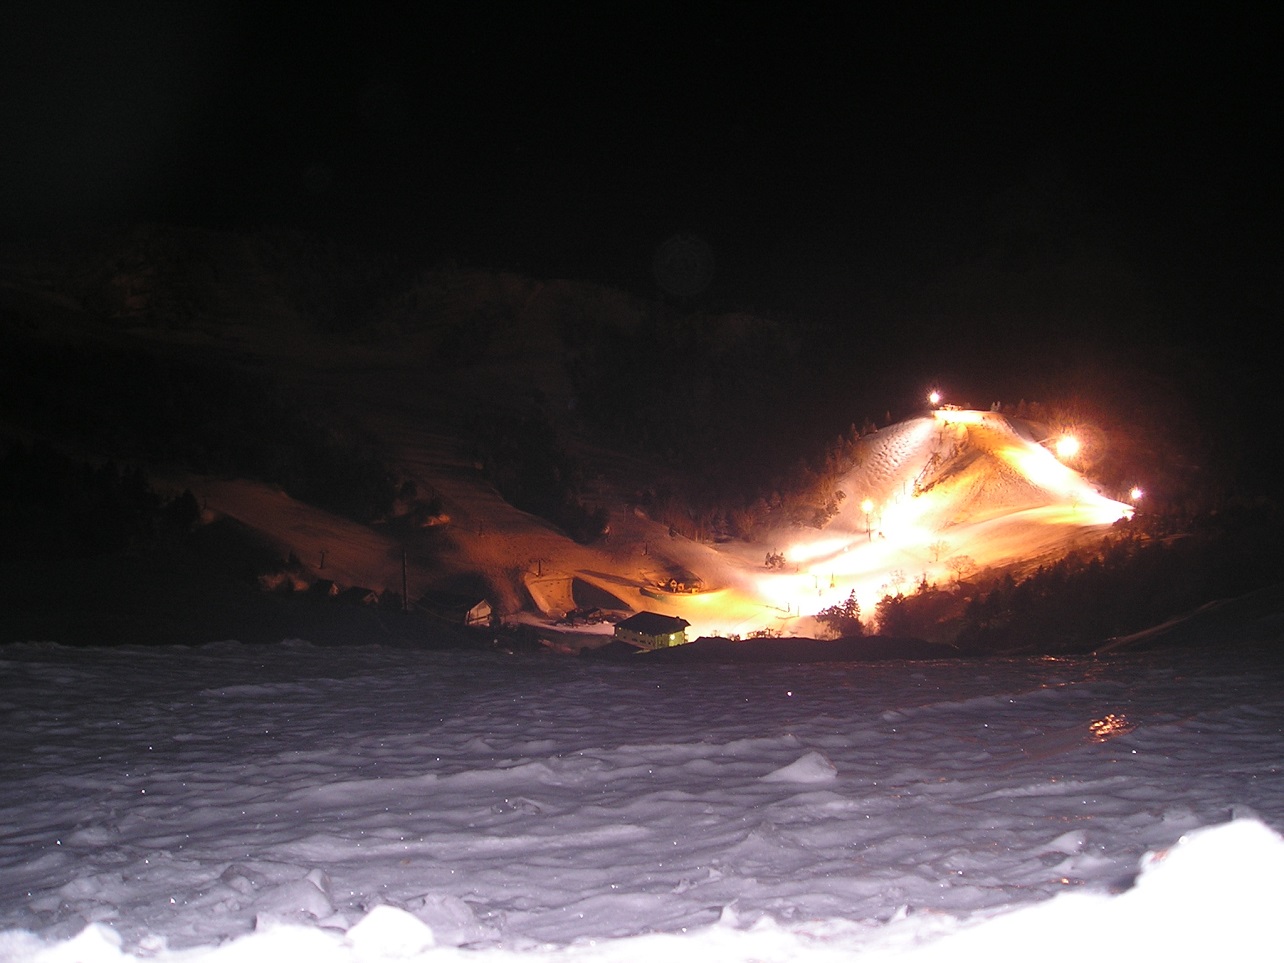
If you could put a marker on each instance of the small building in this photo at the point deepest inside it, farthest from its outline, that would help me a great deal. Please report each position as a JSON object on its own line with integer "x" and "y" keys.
{"x": 466, "y": 610}
{"x": 651, "y": 630}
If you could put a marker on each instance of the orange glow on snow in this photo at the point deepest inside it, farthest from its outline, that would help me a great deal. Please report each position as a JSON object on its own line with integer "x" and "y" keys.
{"x": 1110, "y": 726}
{"x": 925, "y": 518}
{"x": 1039, "y": 466}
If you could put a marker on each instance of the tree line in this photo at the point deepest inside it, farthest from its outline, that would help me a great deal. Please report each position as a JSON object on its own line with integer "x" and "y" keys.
{"x": 1142, "y": 574}
{"x": 207, "y": 416}
{"x": 52, "y": 506}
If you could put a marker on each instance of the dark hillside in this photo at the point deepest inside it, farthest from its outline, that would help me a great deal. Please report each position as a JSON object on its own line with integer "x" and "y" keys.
{"x": 425, "y": 402}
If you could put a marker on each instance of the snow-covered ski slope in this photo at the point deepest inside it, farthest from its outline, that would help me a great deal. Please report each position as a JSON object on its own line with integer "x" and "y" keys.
{"x": 933, "y": 493}
{"x": 933, "y": 496}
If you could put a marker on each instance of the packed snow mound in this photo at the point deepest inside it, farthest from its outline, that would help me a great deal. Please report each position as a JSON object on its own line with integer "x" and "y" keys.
{"x": 1215, "y": 895}
{"x": 812, "y": 767}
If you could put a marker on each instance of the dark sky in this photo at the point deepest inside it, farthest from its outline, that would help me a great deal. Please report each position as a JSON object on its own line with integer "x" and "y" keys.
{"x": 1036, "y": 174}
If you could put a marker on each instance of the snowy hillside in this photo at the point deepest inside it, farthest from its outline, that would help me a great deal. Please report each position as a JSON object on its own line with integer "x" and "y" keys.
{"x": 413, "y": 369}
{"x": 943, "y": 486}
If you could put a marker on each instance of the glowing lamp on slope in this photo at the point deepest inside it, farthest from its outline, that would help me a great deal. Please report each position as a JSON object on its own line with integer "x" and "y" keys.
{"x": 934, "y": 398}
{"x": 1136, "y": 494}
{"x": 1067, "y": 447}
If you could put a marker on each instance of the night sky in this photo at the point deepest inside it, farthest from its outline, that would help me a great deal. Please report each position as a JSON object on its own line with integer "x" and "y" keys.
{"x": 1061, "y": 183}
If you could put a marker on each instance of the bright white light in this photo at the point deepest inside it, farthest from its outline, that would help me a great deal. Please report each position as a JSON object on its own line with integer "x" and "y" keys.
{"x": 1040, "y": 467}
{"x": 1135, "y": 494}
{"x": 1067, "y": 447}
{"x": 819, "y": 548}
{"x": 935, "y": 398}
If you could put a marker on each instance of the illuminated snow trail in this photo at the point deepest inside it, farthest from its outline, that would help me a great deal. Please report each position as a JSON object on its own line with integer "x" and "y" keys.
{"x": 960, "y": 485}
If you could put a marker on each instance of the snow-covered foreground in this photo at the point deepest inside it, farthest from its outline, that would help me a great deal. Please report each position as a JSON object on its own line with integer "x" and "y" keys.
{"x": 234, "y": 803}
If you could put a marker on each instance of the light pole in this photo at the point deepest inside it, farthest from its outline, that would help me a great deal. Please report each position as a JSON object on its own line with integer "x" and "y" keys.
{"x": 867, "y": 506}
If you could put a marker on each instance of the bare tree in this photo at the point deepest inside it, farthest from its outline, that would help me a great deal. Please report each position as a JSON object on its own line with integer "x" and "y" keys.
{"x": 961, "y": 565}
{"x": 898, "y": 579}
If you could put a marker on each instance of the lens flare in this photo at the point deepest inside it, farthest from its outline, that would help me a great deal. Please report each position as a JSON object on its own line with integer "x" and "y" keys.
{"x": 1067, "y": 447}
